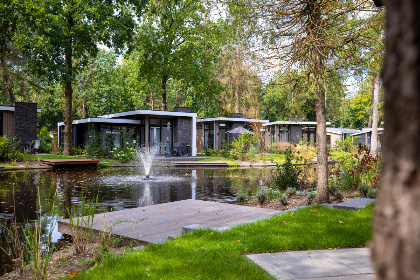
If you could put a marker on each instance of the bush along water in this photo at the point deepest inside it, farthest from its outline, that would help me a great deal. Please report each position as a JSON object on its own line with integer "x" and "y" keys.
{"x": 288, "y": 175}
{"x": 358, "y": 171}
{"x": 9, "y": 149}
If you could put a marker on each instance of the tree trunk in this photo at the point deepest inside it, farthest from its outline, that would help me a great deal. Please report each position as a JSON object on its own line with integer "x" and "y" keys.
{"x": 375, "y": 97}
{"x": 321, "y": 147}
{"x": 25, "y": 87}
{"x": 6, "y": 77}
{"x": 84, "y": 107}
{"x": 315, "y": 30}
{"x": 68, "y": 99}
{"x": 164, "y": 80}
{"x": 176, "y": 99}
{"x": 153, "y": 100}
{"x": 396, "y": 238}
{"x": 371, "y": 103}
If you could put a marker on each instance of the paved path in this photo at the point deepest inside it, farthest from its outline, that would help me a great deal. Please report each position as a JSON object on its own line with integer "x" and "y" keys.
{"x": 340, "y": 264}
{"x": 167, "y": 219}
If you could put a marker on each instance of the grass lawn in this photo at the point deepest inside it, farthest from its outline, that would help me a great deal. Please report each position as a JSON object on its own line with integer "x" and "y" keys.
{"x": 229, "y": 161}
{"x": 338, "y": 155}
{"x": 8, "y": 167}
{"x": 35, "y": 157}
{"x": 212, "y": 255}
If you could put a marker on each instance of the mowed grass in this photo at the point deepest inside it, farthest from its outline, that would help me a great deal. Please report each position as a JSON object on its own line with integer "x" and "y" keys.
{"x": 210, "y": 254}
{"x": 49, "y": 156}
{"x": 229, "y": 161}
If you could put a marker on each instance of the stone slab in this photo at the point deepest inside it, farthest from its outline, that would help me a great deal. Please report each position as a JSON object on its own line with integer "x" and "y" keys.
{"x": 354, "y": 204}
{"x": 317, "y": 264}
{"x": 167, "y": 219}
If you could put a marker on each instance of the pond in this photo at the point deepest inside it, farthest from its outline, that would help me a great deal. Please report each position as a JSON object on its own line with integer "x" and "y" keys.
{"x": 24, "y": 195}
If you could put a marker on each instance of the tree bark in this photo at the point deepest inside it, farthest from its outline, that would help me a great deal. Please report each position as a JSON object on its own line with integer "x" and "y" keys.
{"x": 321, "y": 147}
{"x": 396, "y": 238}
{"x": 6, "y": 77}
{"x": 375, "y": 103}
{"x": 68, "y": 98}
{"x": 164, "y": 80}
{"x": 315, "y": 30}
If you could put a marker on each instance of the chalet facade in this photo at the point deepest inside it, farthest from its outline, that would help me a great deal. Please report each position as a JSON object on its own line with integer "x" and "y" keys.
{"x": 175, "y": 129}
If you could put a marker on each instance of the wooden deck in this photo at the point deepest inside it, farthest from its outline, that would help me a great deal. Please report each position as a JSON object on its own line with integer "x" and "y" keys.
{"x": 164, "y": 220}
{"x": 69, "y": 162}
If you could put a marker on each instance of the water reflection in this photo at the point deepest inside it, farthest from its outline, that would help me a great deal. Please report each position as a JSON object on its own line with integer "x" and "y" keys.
{"x": 24, "y": 195}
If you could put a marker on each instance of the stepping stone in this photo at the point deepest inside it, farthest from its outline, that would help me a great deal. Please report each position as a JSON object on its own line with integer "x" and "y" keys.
{"x": 354, "y": 204}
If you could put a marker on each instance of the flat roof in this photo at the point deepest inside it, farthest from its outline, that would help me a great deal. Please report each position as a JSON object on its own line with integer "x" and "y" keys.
{"x": 103, "y": 120}
{"x": 12, "y": 109}
{"x": 294, "y": 122}
{"x": 342, "y": 130}
{"x": 227, "y": 119}
{"x": 148, "y": 112}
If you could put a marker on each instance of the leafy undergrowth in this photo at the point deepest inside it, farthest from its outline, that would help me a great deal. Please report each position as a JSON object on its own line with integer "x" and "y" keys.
{"x": 209, "y": 254}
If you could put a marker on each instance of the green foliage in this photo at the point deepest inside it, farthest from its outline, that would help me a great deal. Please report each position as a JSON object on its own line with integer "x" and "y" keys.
{"x": 356, "y": 169}
{"x": 252, "y": 153}
{"x": 241, "y": 198}
{"x": 335, "y": 193}
{"x": 283, "y": 198}
{"x": 9, "y": 149}
{"x": 126, "y": 152}
{"x": 372, "y": 193}
{"x": 262, "y": 194}
{"x": 291, "y": 191}
{"x": 198, "y": 255}
{"x": 348, "y": 145}
{"x": 46, "y": 141}
{"x": 94, "y": 145}
{"x": 287, "y": 175}
{"x": 210, "y": 152}
{"x": 310, "y": 196}
{"x": 364, "y": 189}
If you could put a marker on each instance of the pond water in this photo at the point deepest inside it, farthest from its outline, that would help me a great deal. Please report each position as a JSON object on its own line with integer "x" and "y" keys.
{"x": 25, "y": 195}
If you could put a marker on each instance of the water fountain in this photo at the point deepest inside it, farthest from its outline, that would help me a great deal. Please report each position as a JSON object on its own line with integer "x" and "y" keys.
{"x": 146, "y": 156}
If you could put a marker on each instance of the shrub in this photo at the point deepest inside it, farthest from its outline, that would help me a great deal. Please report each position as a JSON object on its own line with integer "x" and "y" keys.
{"x": 9, "y": 149}
{"x": 252, "y": 151}
{"x": 279, "y": 148}
{"x": 371, "y": 193}
{"x": 291, "y": 191}
{"x": 210, "y": 152}
{"x": 356, "y": 169}
{"x": 287, "y": 175}
{"x": 348, "y": 144}
{"x": 241, "y": 198}
{"x": 45, "y": 145}
{"x": 310, "y": 196}
{"x": 94, "y": 144}
{"x": 262, "y": 194}
{"x": 364, "y": 189}
{"x": 336, "y": 193}
{"x": 283, "y": 198}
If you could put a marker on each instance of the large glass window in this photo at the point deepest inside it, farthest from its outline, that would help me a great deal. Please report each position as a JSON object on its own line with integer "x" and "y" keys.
{"x": 209, "y": 136}
{"x": 161, "y": 134}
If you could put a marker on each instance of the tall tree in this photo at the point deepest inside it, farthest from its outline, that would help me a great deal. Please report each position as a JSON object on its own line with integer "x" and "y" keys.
{"x": 177, "y": 40}
{"x": 62, "y": 34}
{"x": 315, "y": 36}
{"x": 8, "y": 25}
{"x": 396, "y": 230}
{"x": 242, "y": 87}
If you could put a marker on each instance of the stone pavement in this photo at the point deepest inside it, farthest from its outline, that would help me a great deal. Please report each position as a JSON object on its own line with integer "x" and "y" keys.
{"x": 340, "y": 264}
{"x": 158, "y": 222}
